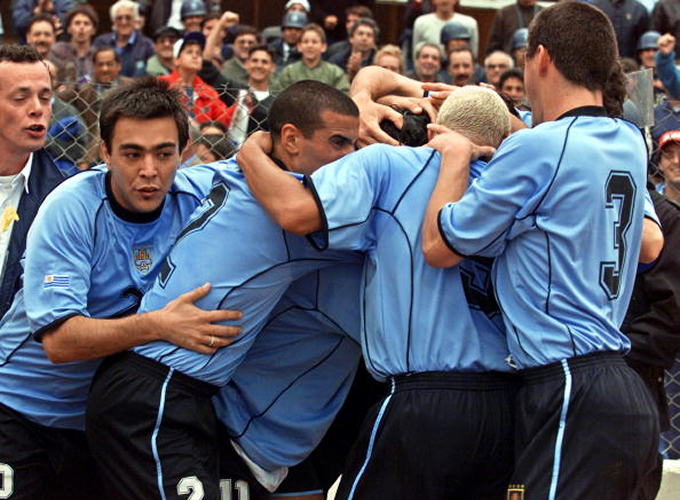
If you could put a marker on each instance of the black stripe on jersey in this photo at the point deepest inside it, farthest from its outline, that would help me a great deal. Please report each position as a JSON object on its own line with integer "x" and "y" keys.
{"x": 37, "y": 335}
{"x": 547, "y": 245}
{"x": 290, "y": 385}
{"x": 442, "y": 235}
{"x": 309, "y": 184}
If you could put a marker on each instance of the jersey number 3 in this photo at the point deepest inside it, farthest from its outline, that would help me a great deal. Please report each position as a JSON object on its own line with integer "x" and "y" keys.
{"x": 620, "y": 187}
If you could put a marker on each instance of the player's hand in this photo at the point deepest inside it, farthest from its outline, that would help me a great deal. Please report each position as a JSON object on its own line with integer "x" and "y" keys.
{"x": 370, "y": 115}
{"x": 185, "y": 325}
{"x": 438, "y": 92}
{"x": 666, "y": 43}
{"x": 416, "y": 105}
{"x": 252, "y": 149}
{"x": 446, "y": 140}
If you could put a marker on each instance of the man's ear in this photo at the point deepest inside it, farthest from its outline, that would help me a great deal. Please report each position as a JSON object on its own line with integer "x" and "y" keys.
{"x": 290, "y": 138}
{"x": 544, "y": 59}
{"x": 104, "y": 152}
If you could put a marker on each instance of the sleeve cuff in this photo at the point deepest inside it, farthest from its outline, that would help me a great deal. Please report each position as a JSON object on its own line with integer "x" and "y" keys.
{"x": 38, "y": 335}
{"x": 443, "y": 236}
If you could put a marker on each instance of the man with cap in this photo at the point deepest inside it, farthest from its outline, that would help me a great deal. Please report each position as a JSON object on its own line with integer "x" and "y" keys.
{"x": 647, "y": 47}
{"x": 133, "y": 48}
{"x": 162, "y": 62}
{"x": 669, "y": 164}
{"x": 519, "y": 47}
{"x": 205, "y": 103}
{"x": 173, "y": 12}
{"x": 81, "y": 24}
{"x": 507, "y": 21}
{"x": 285, "y": 48}
{"x": 192, "y": 13}
{"x": 454, "y": 35}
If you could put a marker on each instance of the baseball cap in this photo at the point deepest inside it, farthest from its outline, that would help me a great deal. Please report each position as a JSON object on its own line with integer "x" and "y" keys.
{"x": 454, "y": 31}
{"x": 167, "y": 31}
{"x": 304, "y": 3}
{"x": 667, "y": 137}
{"x": 520, "y": 38}
{"x": 191, "y": 37}
{"x": 192, "y": 8}
{"x": 294, "y": 20}
{"x": 649, "y": 40}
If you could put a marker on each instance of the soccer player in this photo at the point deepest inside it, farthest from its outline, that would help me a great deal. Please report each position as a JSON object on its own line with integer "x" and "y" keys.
{"x": 560, "y": 207}
{"x": 93, "y": 250}
{"x": 445, "y": 430}
{"x": 161, "y": 394}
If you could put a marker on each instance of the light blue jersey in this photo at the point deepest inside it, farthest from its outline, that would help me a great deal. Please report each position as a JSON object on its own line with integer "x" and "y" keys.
{"x": 293, "y": 381}
{"x": 86, "y": 256}
{"x": 231, "y": 242}
{"x": 415, "y": 318}
{"x": 561, "y": 208}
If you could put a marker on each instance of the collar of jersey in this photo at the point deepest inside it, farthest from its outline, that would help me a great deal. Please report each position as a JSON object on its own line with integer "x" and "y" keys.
{"x": 127, "y": 215}
{"x": 279, "y": 163}
{"x": 585, "y": 111}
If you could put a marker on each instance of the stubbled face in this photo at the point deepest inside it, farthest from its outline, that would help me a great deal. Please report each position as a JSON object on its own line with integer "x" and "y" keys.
{"x": 311, "y": 46}
{"x": 192, "y": 23}
{"x": 259, "y": 66}
{"x": 163, "y": 47}
{"x": 143, "y": 159}
{"x": 105, "y": 68}
{"x": 494, "y": 66}
{"x": 514, "y": 88}
{"x": 291, "y": 35}
{"x": 669, "y": 164}
{"x": 25, "y": 105}
{"x": 41, "y": 37}
{"x": 363, "y": 39}
{"x": 242, "y": 45}
{"x": 124, "y": 22}
{"x": 81, "y": 28}
{"x": 427, "y": 64}
{"x": 334, "y": 139}
{"x": 461, "y": 67}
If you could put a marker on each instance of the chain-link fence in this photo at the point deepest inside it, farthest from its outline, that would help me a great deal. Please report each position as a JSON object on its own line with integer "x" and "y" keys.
{"x": 217, "y": 126}
{"x": 670, "y": 440}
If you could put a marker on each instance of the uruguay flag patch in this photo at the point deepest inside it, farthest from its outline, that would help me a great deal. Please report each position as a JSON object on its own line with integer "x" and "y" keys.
{"x": 57, "y": 281}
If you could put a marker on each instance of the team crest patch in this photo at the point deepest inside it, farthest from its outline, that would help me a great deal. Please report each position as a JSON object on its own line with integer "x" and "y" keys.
{"x": 515, "y": 492}
{"x": 57, "y": 281}
{"x": 143, "y": 259}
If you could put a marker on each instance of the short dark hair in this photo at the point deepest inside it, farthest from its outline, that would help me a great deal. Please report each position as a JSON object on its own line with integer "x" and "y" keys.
{"x": 209, "y": 17}
{"x": 19, "y": 54}
{"x": 43, "y": 16}
{"x": 614, "y": 92}
{"x": 244, "y": 29}
{"x": 98, "y": 51}
{"x": 366, "y": 21}
{"x": 413, "y": 132}
{"x": 510, "y": 73}
{"x": 263, "y": 48}
{"x": 86, "y": 10}
{"x": 359, "y": 10}
{"x": 464, "y": 48}
{"x": 580, "y": 40}
{"x": 302, "y": 104}
{"x": 145, "y": 98}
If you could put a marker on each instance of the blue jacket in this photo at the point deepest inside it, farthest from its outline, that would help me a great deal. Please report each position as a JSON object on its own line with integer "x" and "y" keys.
{"x": 45, "y": 176}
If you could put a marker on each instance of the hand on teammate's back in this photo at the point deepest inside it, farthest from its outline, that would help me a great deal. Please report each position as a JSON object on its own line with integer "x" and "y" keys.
{"x": 186, "y": 325}
{"x": 446, "y": 140}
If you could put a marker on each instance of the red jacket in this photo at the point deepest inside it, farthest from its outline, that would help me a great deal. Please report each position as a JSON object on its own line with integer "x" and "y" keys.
{"x": 207, "y": 104}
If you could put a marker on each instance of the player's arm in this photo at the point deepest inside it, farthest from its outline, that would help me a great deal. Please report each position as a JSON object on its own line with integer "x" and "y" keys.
{"x": 180, "y": 322}
{"x": 457, "y": 152}
{"x": 652, "y": 241}
{"x": 285, "y": 198}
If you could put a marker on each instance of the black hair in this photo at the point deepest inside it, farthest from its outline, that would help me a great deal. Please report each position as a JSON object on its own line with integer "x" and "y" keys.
{"x": 414, "y": 131}
{"x": 42, "y": 17}
{"x": 302, "y": 104}
{"x": 19, "y": 54}
{"x": 98, "y": 51}
{"x": 145, "y": 98}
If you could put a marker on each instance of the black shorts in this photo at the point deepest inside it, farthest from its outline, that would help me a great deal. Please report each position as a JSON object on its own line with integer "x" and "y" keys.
{"x": 587, "y": 428}
{"x": 437, "y": 435}
{"x": 151, "y": 428}
{"x": 44, "y": 463}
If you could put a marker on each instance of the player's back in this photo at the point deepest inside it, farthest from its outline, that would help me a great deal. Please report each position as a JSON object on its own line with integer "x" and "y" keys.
{"x": 570, "y": 255}
{"x": 416, "y": 318}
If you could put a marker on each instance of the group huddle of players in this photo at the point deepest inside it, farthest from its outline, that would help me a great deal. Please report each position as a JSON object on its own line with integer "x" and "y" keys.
{"x": 486, "y": 295}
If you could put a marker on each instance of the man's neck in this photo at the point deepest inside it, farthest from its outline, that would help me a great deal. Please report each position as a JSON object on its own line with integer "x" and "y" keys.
{"x": 261, "y": 85}
{"x": 444, "y": 14}
{"x": 122, "y": 40}
{"x": 82, "y": 48}
{"x": 12, "y": 162}
{"x": 564, "y": 96}
{"x": 280, "y": 153}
